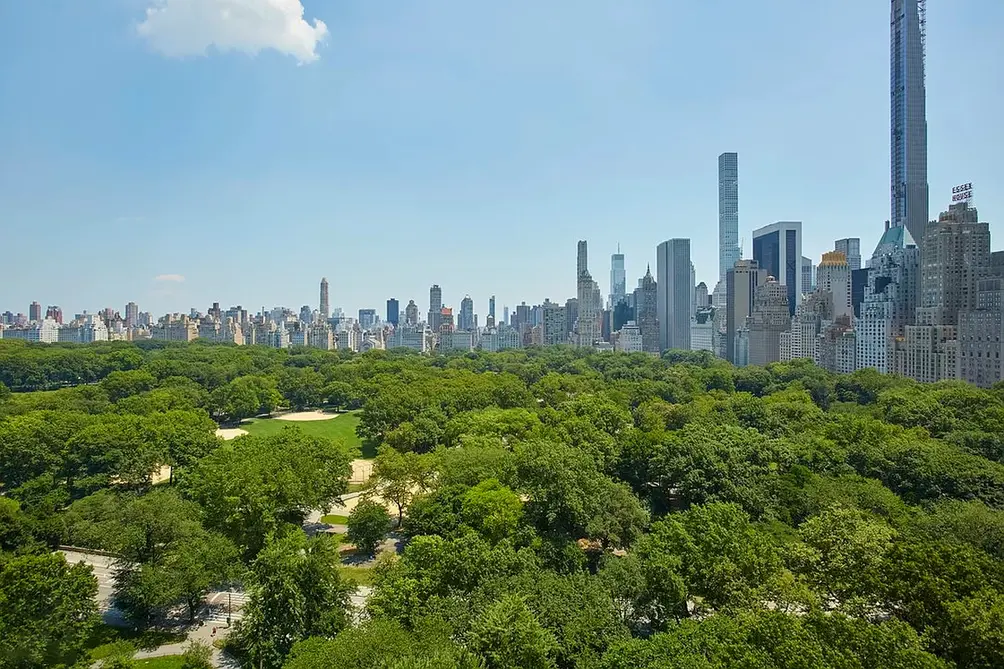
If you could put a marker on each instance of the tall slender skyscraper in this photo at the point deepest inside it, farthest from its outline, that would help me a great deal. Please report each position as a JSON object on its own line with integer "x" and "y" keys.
{"x": 393, "y": 311}
{"x": 581, "y": 259}
{"x": 908, "y": 126}
{"x": 325, "y": 305}
{"x": 465, "y": 320}
{"x": 675, "y": 293}
{"x": 435, "y": 307}
{"x": 618, "y": 279}
{"x": 728, "y": 213}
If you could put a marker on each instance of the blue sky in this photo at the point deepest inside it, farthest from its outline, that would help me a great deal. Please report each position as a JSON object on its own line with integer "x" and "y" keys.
{"x": 468, "y": 144}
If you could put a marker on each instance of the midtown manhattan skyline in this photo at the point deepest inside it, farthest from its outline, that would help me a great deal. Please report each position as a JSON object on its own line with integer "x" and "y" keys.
{"x": 388, "y": 158}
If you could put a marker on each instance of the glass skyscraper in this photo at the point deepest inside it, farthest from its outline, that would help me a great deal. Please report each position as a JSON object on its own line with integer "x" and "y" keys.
{"x": 777, "y": 248}
{"x": 618, "y": 279}
{"x": 728, "y": 213}
{"x": 908, "y": 123}
{"x": 675, "y": 294}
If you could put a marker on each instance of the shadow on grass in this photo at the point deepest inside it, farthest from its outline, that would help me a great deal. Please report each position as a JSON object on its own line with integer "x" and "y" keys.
{"x": 107, "y": 640}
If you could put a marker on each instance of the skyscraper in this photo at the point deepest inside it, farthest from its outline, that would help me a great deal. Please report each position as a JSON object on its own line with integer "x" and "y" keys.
{"x": 808, "y": 285}
{"x": 728, "y": 213}
{"x": 618, "y": 279}
{"x": 34, "y": 312}
{"x": 834, "y": 277}
{"x": 851, "y": 248}
{"x": 890, "y": 301}
{"x": 908, "y": 122}
{"x": 411, "y": 313}
{"x": 588, "y": 324}
{"x": 777, "y": 248}
{"x": 768, "y": 319}
{"x": 553, "y": 324}
{"x": 132, "y": 315}
{"x": 325, "y": 305}
{"x": 675, "y": 292}
{"x": 435, "y": 307}
{"x": 491, "y": 307}
{"x": 646, "y": 305}
{"x": 465, "y": 319}
{"x": 367, "y": 318}
{"x": 701, "y": 296}
{"x": 393, "y": 312}
{"x": 741, "y": 283}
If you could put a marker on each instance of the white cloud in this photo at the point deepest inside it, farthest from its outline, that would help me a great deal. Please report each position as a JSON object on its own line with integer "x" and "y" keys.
{"x": 189, "y": 27}
{"x": 173, "y": 278}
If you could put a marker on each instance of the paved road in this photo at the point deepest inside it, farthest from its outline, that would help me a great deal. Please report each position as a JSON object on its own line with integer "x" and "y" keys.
{"x": 104, "y": 570}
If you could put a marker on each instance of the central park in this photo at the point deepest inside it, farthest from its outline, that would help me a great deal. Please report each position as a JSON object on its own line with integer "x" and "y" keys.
{"x": 183, "y": 506}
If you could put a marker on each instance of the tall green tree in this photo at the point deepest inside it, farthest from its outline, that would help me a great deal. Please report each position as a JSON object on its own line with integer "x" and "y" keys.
{"x": 47, "y": 610}
{"x": 251, "y": 487}
{"x": 295, "y": 592}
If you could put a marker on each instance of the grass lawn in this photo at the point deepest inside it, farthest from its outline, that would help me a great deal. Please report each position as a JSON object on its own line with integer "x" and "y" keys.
{"x": 166, "y": 662}
{"x": 357, "y": 575}
{"x": 334, "y": 519}
{"x": 342, "y": 428}
{"x": 106, "y": 640}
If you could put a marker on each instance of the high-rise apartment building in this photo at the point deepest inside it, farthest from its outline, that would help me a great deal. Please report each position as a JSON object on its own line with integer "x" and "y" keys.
{"x": 768, "y": 319}
{"x": 778, "y": 249}
{"x": 740, "y": 286}
{"x": 700, "y": 296}
{"x": 980, "y": 331}
{"x": 811, "y": 316}
{"x": 491, "y": 308}
{"x": 446, "y": 323}
{"x": 435, "y": 307}
{"x": 367, "y": 319}
{"x": 588, "y": 328}
{"x": 393, "y": 311}
{"x": 618, "y": 279}
{"x": 675, "y": 293}
{"x": 955, "y": 255}
{"x": 851, "y": 248}
{"x": 325, "y": 306}
{"x": 588, "y": 322}
{"x": 834, "y": 276}
{"x": 132, "y": 315}
{"x": 465, "y": 319}
{"x": 34, "y": 312}
{"x": 890, "y": 300}
{"x": 908, "y": 119}
{"x": 646, "y": 300}
{"x": 581, "y": 258}
{"x": 411, "y": 313}
{"x": 728, "y": 213}
{"x": 702, "y": 330}
{"x": 553, "y": 324}
{"x": 521, "y": 319}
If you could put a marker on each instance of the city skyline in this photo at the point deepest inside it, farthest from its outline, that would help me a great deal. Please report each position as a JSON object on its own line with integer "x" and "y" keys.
{"x": 78, "y": 186}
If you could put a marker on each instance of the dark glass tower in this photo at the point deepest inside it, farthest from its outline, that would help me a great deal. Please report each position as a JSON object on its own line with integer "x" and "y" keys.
{"x": 908, "y": 120}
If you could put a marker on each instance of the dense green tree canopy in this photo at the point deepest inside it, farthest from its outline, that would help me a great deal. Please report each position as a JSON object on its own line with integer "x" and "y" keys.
{"x": 555, "y": 507}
